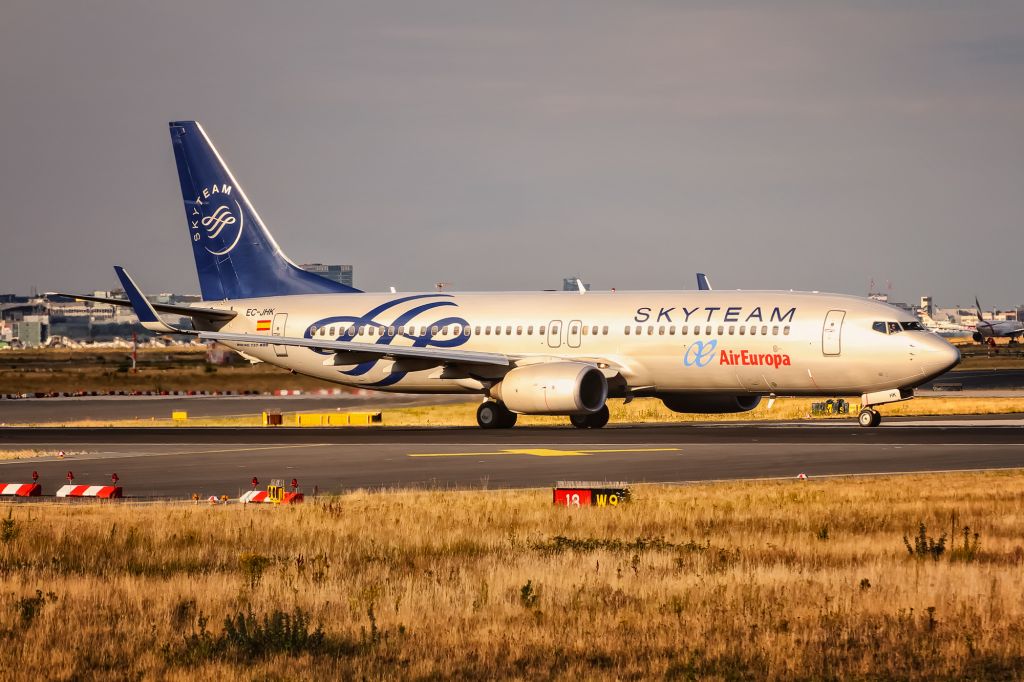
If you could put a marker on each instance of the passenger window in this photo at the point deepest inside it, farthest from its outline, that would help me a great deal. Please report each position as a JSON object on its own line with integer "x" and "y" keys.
{"x": 696, "y": 330}
{"x": 775, "y": 330}
{"x": 519, "y": 330}
{"x": 593, "y": 330}
{"x": 604, "y": 330}
{"x": 508, "y": 330}
{"x": 529, "y": 330}
{"x": 497, "y": 330}
{"x": 540, "y": 330}
{"x": 732, "y": 329}
{"x": 742, "y": 330}
{"x": 586, "y": 330}
{"x": 721, "y": 330}
{"x": 684, "y": 330}
{"x": 707, "y": 330}
{"x": 332, "y": 331}
{"x": 650, "y": 330}
{"x": 478, "y": 329}
{"x": 753, "y": 330}
{"x": 433, "y": 330}
{"x": 764, "y": 330}
{"x": 661, "y": 330}
{"x": 639, "y": 330}
{"x": 785, "y": 330}
{"x": 671, "y": 330}
{"x": 627, "y": 330}
{"x": 466, "y": 330}
{"x": 488, "y": 330}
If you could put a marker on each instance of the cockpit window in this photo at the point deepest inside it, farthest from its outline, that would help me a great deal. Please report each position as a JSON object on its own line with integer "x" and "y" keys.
{"x": 894, "y": 327}
{"x": 912, "y": 326}
{"x": 879, "y": 327}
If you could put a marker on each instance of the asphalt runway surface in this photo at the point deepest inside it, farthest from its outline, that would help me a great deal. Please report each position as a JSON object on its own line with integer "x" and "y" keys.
{"x": 177, "y": 462}
{"x": 981, "y": 379}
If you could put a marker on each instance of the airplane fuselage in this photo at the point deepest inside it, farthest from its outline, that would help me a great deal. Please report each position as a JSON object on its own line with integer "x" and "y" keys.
{"x": 656, "y": 342}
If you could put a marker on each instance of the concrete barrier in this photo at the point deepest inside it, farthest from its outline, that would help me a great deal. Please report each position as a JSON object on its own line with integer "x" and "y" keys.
{"x": 107, "y": 492}
{"x": 21, "y": 489}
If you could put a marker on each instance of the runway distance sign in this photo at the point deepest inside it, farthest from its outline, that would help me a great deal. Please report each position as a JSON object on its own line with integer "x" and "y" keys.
{"x": 586, "y": 496}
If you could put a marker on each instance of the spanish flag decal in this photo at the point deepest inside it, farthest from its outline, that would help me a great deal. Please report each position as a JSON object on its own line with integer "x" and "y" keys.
{"x": 263, "y": 325}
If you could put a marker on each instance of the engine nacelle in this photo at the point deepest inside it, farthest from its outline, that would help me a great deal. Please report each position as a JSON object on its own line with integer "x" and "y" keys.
{"x": 710, "y": 403}
{"x": 553, "y": 388}
{"x": 977, "y": 337}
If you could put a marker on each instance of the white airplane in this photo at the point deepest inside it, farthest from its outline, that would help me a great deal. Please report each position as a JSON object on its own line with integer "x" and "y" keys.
{"x": 987, "y": 329}
{"x": 532, "y": 352}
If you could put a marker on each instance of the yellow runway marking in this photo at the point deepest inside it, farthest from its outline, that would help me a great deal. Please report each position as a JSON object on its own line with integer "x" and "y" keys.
{"x": 544, "y": 452}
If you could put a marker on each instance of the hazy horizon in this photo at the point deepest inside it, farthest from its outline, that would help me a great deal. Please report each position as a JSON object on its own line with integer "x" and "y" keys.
{"x": 775, "y": 145}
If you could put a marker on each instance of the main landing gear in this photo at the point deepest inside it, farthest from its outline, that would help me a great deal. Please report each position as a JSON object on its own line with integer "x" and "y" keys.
{"x": 869, "y": 417}
{"x": 494, "y": 415}
{"x": 590, "y": 421}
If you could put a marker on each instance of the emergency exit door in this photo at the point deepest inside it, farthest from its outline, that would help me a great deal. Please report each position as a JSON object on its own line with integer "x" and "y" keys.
{"x": 831, "y": 333}
{"x": 280, "y": 322}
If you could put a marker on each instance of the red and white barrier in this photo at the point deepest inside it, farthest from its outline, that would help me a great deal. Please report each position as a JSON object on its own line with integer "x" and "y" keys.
{"x": 106, "y": 492}
{"x": 262, "y": 496}
{"x": 21, "y": 489}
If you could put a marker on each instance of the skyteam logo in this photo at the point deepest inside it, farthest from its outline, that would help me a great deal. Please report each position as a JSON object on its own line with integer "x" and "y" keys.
{"x": 418, "y": 315}
{"x": 217, "y": 220}
{"x": 700, "y": 353}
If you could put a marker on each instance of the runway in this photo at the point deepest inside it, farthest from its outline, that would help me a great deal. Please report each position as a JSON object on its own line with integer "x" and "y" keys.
{"x": 177, "y": 462}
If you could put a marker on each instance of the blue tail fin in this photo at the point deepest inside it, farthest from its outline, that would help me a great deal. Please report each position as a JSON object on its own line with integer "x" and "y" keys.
{"x": 235, "y": 255}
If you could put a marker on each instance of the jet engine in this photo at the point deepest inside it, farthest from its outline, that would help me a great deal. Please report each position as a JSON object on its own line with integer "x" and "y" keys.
{"x": 710, "y": 403}
{"x": 977, "y": 337}
{"x": 553, "y": 388}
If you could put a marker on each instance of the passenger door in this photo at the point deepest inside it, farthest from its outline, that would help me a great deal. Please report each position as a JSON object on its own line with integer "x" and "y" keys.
{"x": 831, "y": 333}
{"x": 280, "y": 323}
{"x": 555, "y": 333}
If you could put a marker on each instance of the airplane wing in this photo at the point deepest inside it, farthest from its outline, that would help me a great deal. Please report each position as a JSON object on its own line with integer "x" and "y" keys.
{"x": 183, "y": 310}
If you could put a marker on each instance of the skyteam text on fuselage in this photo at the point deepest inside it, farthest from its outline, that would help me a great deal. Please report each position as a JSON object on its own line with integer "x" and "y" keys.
{"x": 562, "y": 353}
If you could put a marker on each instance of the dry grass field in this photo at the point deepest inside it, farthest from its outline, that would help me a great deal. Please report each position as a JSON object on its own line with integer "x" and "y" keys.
{"x": 744, "y": 580}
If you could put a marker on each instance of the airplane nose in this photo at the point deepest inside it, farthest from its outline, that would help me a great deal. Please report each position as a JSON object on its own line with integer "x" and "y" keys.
{"x": 940, "y": 356}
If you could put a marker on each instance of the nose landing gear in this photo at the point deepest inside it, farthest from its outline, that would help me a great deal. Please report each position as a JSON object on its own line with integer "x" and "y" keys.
{"x": 869, "y": 417}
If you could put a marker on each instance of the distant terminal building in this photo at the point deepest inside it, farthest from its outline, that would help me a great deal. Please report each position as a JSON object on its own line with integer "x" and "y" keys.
{"x": 569, "y": 284}
{"x": 341, "y": 274}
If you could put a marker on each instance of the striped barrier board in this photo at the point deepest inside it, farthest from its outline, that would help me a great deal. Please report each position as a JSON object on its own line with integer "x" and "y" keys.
{"x": 262, "y": 496}
{"x": 21, "y": 489}
{"x": 106, "y": 492}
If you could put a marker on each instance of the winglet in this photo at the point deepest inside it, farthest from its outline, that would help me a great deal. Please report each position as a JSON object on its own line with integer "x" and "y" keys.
{"x": 702, "y": 282}
{"x": 143, "y": 309}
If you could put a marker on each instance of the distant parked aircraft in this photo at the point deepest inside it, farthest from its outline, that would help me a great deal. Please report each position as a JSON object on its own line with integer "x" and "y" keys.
{"x": 994, "y": 330}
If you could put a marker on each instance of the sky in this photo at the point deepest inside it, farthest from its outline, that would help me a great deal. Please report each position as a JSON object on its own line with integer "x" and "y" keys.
{"x": 506, "y": 145}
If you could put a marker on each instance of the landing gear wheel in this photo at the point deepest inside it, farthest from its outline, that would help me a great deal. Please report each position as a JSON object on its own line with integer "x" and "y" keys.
{"x": 494, "y": 415}
{"x": 869, "y": 417}
{"x": 590, "y": 421}
{"x": 599, "y": 418}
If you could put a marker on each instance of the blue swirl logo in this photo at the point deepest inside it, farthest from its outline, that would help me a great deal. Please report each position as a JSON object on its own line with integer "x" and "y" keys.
{"x": 700, "y": 353}
{"x": 403, "y": 321}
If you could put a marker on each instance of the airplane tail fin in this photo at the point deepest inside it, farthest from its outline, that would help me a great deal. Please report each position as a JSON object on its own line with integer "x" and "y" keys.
{"x": 236, "y": 256}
